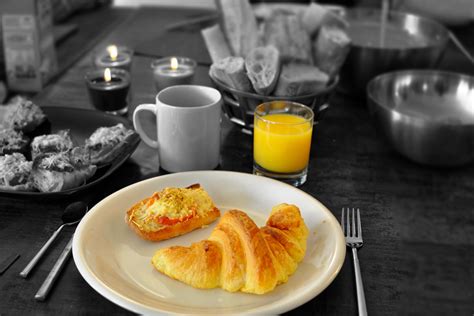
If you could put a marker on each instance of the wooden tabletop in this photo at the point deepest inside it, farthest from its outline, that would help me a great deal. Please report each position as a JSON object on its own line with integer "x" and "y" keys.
{"x": 418, "y": 221}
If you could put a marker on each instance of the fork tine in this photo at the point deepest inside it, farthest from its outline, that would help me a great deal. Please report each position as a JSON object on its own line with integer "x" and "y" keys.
{"x": 354, "y": 233}
{"x": 342, "y": 221}
{"x": 359, "y": 225}
{"x": 348, "y": 223}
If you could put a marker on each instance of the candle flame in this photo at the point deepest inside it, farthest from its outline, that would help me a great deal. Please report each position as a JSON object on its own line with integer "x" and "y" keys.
{"x": 107, "y": 75}
{"x": 174, "y": 63}
{"x": 113, "y": 52}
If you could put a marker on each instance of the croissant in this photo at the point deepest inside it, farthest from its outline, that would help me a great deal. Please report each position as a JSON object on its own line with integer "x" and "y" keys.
{"x": 239, "y": 256}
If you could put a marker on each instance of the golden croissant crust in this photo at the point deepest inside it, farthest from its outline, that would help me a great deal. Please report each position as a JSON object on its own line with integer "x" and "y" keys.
{"x": 239, "y": 256}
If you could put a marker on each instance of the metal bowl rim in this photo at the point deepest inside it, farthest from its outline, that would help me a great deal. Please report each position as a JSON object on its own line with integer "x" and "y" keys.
{"x": 371, "y": 87}
{"x": 430, "y": 45}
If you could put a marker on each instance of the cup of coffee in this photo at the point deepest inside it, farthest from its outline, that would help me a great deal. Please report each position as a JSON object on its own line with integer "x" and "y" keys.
{"x": 188, "y": 125}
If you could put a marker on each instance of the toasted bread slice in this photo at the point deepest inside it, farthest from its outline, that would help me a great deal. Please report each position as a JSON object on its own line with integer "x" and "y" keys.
{"x": 231, "y": 71}
{"x": 299, "y": 79}
{"x": 263, "y": 68}
{"x": 23, "y": 115}
{"x": 15, "y": 173}
{"x": 172, "y": 212}
{"x": 55, "y": 172}
{"x": 12, "y": 141}
{"x": 108, "y": 143}
{"x": 51, "y": 143}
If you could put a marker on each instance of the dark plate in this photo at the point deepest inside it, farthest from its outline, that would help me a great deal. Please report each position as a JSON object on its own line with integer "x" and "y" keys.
{"x": 81, "y": 123}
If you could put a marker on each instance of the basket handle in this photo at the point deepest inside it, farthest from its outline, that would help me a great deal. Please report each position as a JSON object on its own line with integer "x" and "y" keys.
{"x": 319, "y": 113}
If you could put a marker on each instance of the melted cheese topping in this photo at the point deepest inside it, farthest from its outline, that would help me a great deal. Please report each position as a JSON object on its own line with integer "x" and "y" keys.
{"x": 14, "y": 169}
{"x": 113, "y": 135}
{"x": 174, "y": 204}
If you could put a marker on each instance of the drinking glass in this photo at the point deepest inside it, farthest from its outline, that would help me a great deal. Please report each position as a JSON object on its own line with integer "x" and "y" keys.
{"x": 282, "y": 141}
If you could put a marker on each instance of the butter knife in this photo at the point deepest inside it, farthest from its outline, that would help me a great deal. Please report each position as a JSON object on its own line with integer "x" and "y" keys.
{"x": 54, "y": 273}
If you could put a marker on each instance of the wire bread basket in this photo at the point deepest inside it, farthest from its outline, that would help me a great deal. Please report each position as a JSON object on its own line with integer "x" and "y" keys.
{"x": 239, "y": 106}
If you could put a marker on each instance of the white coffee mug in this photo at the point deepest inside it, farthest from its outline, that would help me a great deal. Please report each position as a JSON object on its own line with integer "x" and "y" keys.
{"x": 188, "y": 125}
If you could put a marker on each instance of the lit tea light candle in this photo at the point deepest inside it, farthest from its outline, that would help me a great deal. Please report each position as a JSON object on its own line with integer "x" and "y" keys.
{"x": 172, "y": 71}
{"x": 108, "y": 89}
{"x": 114, "y": 57}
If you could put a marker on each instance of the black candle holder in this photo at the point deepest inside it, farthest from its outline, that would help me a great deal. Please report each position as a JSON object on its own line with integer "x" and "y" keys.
{"x": 110, "y": 96}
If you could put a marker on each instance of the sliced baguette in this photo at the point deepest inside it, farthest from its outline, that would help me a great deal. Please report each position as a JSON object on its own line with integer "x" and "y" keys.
{"x": 231, "y": 71}
{"x": 287, "y": 34}
{"x": 316, "y": 15}
{"x": 239, "y": 24}
{"x": 330, "y": 49}
{"x": 263, "y": 68}
{"x": 299, "y": 80}
{"x": 216, "y": 43}
{"x": 142, "y": 221}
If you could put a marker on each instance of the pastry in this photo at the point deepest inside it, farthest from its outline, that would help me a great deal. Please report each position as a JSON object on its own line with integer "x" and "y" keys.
{"x": 263, "y": 68}
{"x": 240, "y": 25}
{"x": 231, "y": 71}
{"x": 216, "y": 43}
{"x": 52, "y": 143}
{"x": 300, "y": 79}
{"x": 287, "y": 34}
{"x": 12, "y": 141}
{"x": 54, "y": 172}
{"x": 107, "y": 143}
{"x": 238, "y": 256}
{"x": 330, "y": 49}
{"x": 172, "y": 212}
{"x": 15, "y": 173}
{"x": 23, "y": 115}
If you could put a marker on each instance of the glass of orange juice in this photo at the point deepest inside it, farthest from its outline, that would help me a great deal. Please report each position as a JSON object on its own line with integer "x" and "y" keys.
{"x": 282, "y": 141}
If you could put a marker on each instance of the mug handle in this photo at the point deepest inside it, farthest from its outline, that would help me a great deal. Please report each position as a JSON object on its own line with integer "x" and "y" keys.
{"x": 138, "y": 126}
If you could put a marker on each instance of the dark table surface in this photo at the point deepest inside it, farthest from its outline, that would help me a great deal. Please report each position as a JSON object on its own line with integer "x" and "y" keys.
{"x": 418, "y": 221}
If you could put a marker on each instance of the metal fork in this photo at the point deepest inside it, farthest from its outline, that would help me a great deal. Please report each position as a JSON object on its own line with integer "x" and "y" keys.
{"x": 354, "y": 241}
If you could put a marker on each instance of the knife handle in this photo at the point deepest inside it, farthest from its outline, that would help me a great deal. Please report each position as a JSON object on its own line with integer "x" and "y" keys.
{"x": 54, "y": 273}
{"x": 40, "y": 253}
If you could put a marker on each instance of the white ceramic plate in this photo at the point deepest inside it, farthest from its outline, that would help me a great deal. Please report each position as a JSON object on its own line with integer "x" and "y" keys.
{"x": 116, "y": 262}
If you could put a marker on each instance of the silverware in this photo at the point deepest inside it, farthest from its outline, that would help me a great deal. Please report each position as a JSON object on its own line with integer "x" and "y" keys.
{"x": 425, "y": 114}
{"x": 54, "y": 273}
{"x": 72, "y": 215}
{"x": 354, "y": 241}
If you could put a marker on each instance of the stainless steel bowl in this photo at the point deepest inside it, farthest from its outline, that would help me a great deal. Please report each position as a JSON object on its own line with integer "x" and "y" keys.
{"x": 428, "y": 116}
{"x": 365, "y": 61}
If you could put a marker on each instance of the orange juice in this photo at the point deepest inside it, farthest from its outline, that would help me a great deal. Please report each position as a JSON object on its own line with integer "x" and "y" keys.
{"x": 282, "y": 142}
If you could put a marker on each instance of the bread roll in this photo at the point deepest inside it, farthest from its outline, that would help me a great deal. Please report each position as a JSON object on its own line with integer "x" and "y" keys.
{"x": 287, "y": 34}
{"x": 216, "y": 43}
{"x": 263, "y": 68}
{"x": 239, "y": 24}
{"x": 330, "y": 49}
{"x": 300, "y": 79}
{"x": 231, "y": 71}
